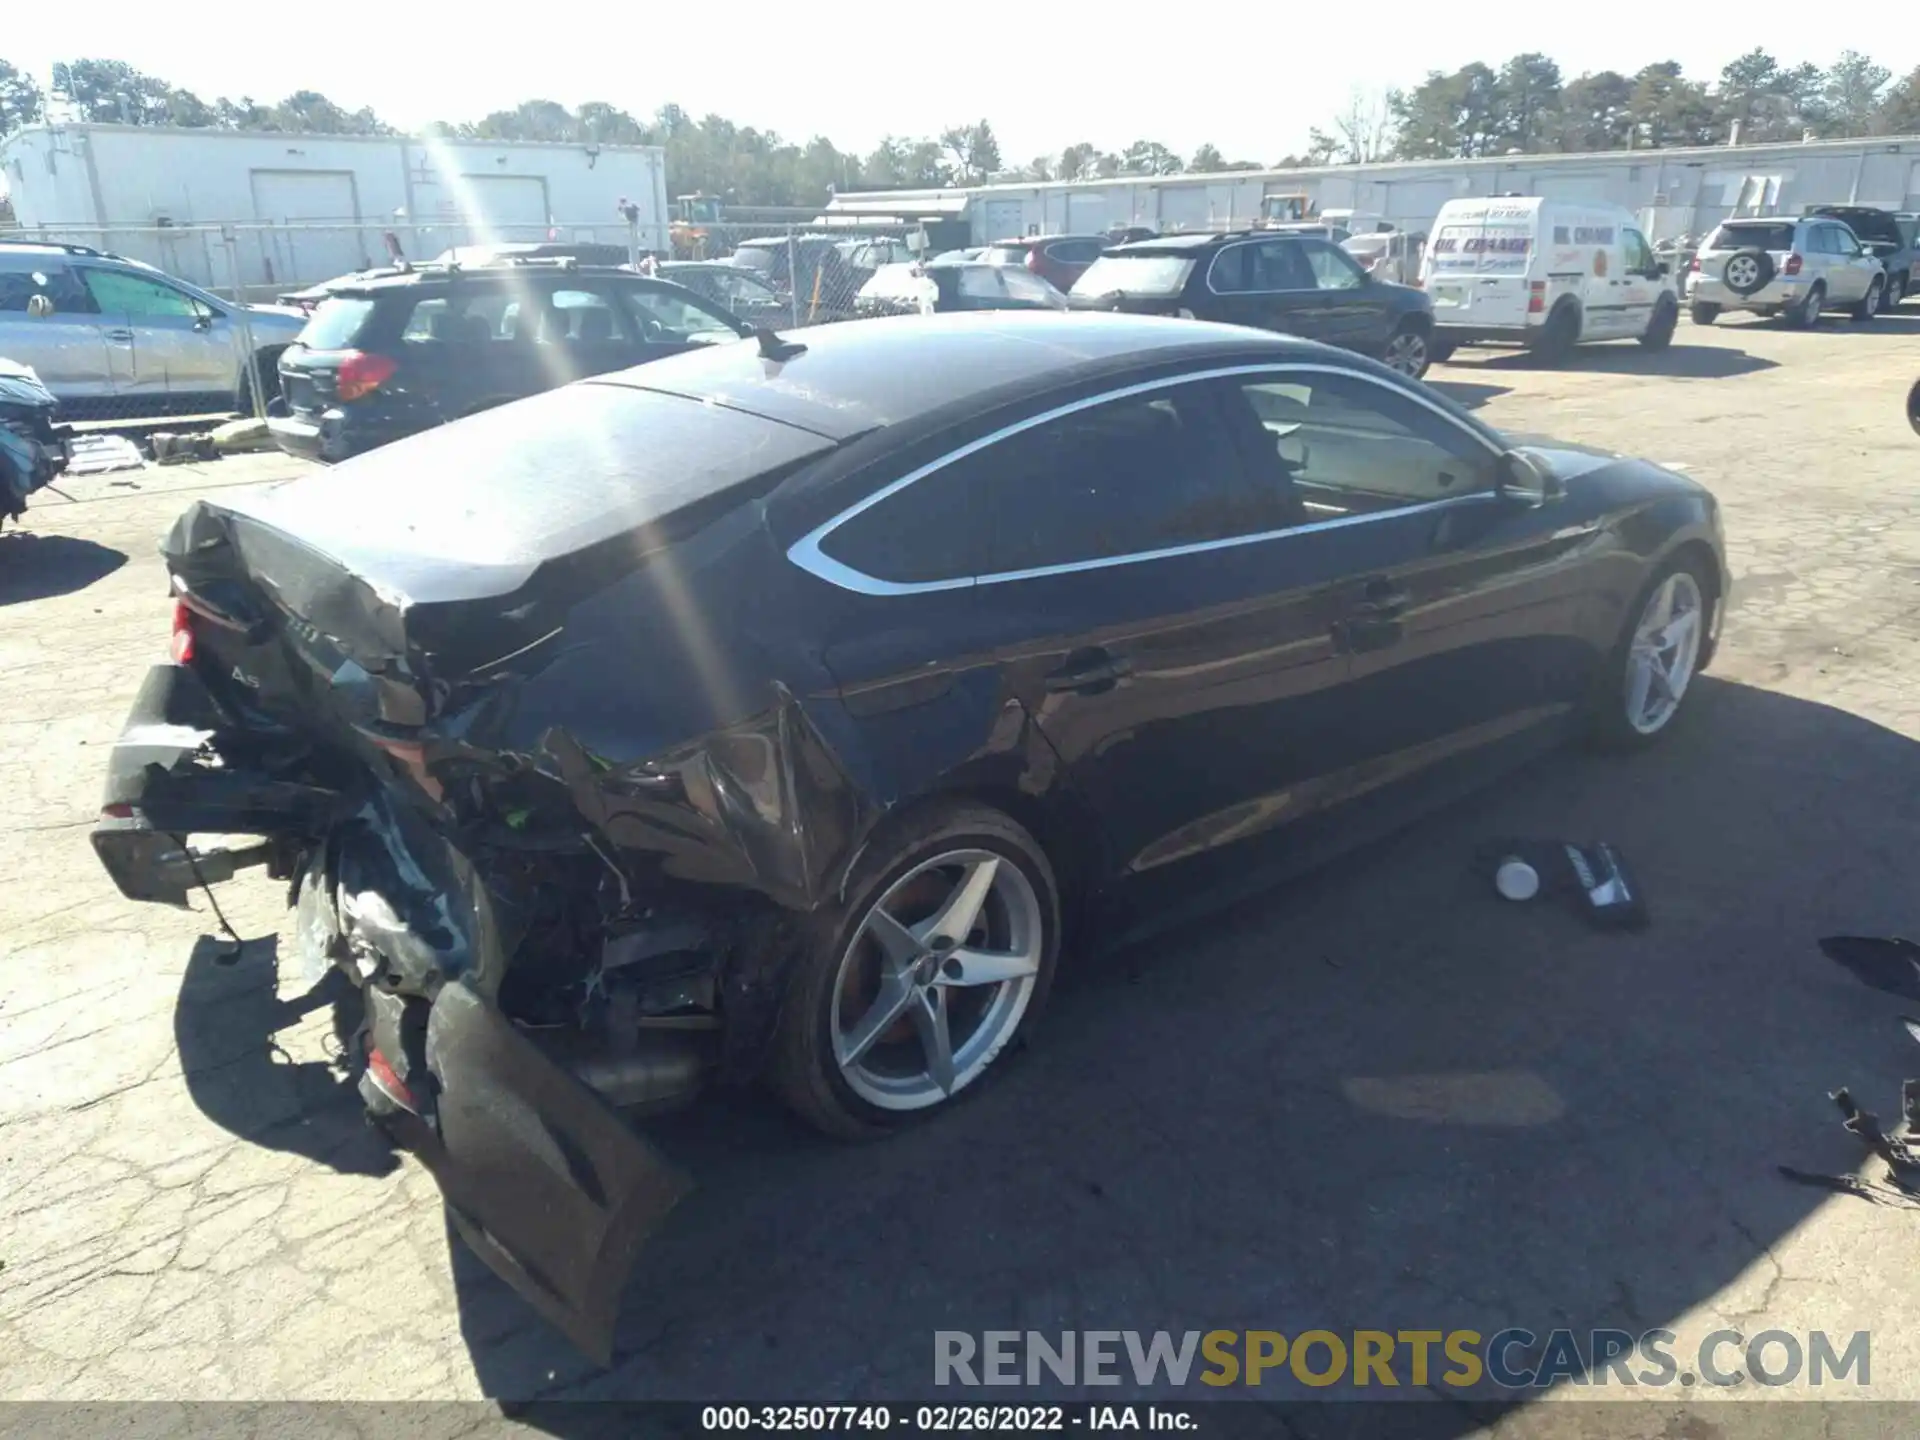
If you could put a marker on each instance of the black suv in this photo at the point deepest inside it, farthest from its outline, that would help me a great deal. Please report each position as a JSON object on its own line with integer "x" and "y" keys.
{"x": 1299, "y": 284}
{"x": 394, "y": 355}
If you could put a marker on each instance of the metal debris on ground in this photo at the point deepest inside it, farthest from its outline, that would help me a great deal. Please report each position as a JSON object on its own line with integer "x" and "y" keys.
{"x": 172, "y": 449}
{"x": 237, "y": 437}
{"x": 1594, "y": 879}
{"x": 98, "y": 454}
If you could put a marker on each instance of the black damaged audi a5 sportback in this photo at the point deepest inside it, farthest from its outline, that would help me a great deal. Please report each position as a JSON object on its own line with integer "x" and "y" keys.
{"x": 770, "y": 709}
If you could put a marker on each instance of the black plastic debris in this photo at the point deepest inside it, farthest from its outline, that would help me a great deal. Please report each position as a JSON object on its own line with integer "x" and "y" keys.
{"x": 1891, "y": 964}
{"x": 1593, "y": 879}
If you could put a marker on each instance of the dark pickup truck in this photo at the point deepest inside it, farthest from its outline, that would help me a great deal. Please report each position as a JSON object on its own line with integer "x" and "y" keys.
{"x": 1889, "y": 237}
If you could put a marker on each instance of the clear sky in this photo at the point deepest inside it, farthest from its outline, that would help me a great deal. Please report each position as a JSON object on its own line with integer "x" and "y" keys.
{"x": 1048, "y": 77}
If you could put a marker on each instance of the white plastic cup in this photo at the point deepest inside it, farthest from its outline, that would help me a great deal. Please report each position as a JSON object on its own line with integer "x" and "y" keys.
{"x": 1516, "y": 880}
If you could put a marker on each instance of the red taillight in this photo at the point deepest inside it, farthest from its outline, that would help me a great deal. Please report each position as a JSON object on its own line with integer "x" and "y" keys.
{"x": 1792, "y": 267}
{"x": 1536, "y": 297}
{"x": 1694, "y": 263}
{"x": 361, "y": 373}
{"x": 383, "y": 1076}
{"x": 182, "y": 646}
{"x": 1033, "y": 259}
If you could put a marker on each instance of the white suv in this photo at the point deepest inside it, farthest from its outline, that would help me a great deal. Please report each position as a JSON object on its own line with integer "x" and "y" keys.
{"x": 1784, "y": 266}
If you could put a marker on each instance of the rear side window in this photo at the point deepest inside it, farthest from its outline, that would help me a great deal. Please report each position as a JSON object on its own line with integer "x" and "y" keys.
{"x": 336, "y": 323}
{"x": 1075, "y": 252}
{"x": 1872, "y": 225}
{"x": 1141, "y": 274}
{"x": 1750, "y": 234}
{"x": 56, "y": 282}
{"x": 666, "y": 318}
{"x": 925, "y": 532}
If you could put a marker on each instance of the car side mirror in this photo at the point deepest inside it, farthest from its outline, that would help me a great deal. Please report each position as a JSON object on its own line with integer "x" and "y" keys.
{"x": 1526, "y": 481}
{"x": 1913, "y": 407}
{"x": 203, "y": 321}
{"x": 39, "y": 306}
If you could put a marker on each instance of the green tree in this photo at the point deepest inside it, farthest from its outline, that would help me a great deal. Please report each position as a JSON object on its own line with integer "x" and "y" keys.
{"x": 1850, "y": 95}
{"x": 606, "y": 124}
{"x": 1529, "y": 99}
{"x": 21, "y": 102}
{"x": 1207, "y": 158}
{"x": 1038, "y": 168}
{"x": 1596, "y": 112}
{"x": 886, "y": 167}
{"x": 1900, "y": 109}
{"x": 975, "y": 152}
{"x": 1445, "y": 116}
{"x": 1079, "y": 162}
{"x": 1149, "y": 157}
{"x": 111, "y": 92}
{"x": 1669, "y": 109}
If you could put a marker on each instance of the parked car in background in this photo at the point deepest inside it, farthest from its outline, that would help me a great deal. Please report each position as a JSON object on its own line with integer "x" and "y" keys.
{"x": 113, "y": 337}
{"x": 870, "y": 252}
{"x": 402, "y": 354}
{"x": 585, "y": 252}
{"x": 1544, "y": 274}
{"x": 1057, "y": 259}
{"x": 1890, "y": 240}
{"x": 943, "y": 286}
{"x": 1388, "y": 254}
{"x": 729, "y": 718}
{"x": 1128, "y": 234}
{"x": 827, "y": 280}
{"x": 1781, "y": 266}
{"x": 1301, "y": 285}
{"x": 737, "y": 288}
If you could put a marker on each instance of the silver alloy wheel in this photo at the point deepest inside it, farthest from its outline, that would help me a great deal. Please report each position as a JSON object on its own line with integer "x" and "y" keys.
{"x": 1665, "y": 650}
{"x": 1743, "y": 273}
{"x": 936, "y": 979}
{"x": 1406, "y": 352}
{"x": 1873, "y": 298}
{"x": 1896, "y": 292}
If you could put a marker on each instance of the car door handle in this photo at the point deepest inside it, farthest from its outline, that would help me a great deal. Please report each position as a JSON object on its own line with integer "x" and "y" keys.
{"x": 1089, "y": 672}
{"x": 125, "y": 337}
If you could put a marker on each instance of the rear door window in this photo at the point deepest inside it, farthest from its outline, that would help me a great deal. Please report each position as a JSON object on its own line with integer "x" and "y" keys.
{"x": 57, "y": 282}
{"x": 117, "y": 293}
{"x": 337, "y": 322}
{"x": 1747, "y": 234}
{"x": 1332, "y": 267}
{"x": 669, "y": 319}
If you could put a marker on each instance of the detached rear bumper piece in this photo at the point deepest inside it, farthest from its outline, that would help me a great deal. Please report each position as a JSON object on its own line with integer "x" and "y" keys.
{"x": 167, "y": 779}
{"x": 542, "y": 1179}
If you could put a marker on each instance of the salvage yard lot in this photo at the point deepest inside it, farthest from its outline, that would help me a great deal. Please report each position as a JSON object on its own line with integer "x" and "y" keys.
{"x": 1378, "y": 1099}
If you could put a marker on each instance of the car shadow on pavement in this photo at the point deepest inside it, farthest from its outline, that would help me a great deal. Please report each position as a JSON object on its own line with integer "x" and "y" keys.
{"x": 1466, "y": 393}
{"x": 38, "y": 567}
{"x": 225, "y": 1025}
{"x": 1679, "y": 361}
{"x": 1381, "y": 1098}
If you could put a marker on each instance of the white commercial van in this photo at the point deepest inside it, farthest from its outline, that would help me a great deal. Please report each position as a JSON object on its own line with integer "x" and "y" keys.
{"x": 1547, "y": 274}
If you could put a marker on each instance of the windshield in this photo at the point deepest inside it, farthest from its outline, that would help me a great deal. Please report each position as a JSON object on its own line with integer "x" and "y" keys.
{"x": 1145, "y": 274}
{"x": 1740, "y": 234}
{"x": 335, "y": 323}
{"x": 751, "y": 259}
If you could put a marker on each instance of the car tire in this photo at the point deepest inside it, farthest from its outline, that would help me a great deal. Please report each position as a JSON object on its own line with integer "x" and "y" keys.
{"x": 1559, "y": 335}
{"x": 1703, "y": 313}
{"x": 1666, "y": 319}
{"x": 1747, "y": 272}
{"x": 823, "y": 1062}
{"x": 265, "y": 371}
{"x": 1869, "y": 305}
{"x": 1408, "y": 351}
{"x": 1623, "y": 711}
{"x": 1896, "y": 292}
{"x": 1806, "y": 314}
{"x": 1439, "y": 351}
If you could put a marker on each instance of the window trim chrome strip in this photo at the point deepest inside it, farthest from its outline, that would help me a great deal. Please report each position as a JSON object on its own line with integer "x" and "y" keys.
{"x": 807, "y": 554}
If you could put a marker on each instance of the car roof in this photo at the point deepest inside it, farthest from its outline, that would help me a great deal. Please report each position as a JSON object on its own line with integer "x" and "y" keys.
{"x": 860, "y": 375}
{"x": 1194, "y": 240}
{"x": 477, "y": 274}
{"x": 1029, "y": 241}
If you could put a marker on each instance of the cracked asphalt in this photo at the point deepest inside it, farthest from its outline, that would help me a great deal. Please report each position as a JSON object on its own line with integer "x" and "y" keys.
{"x": 1375, "y": 1099}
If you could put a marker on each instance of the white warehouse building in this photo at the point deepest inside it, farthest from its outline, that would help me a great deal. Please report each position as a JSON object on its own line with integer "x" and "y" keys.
{"x": 1675, "y": 192}
{"x": 303, "y": 208}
